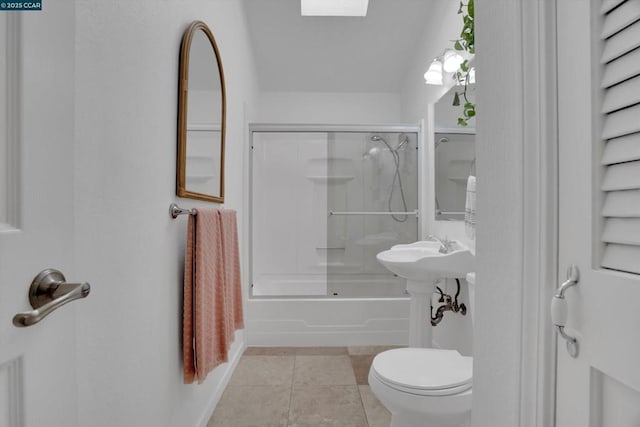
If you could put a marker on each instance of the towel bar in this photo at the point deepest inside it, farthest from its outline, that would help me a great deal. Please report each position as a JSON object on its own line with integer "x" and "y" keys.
{"x": 175, "y": 210}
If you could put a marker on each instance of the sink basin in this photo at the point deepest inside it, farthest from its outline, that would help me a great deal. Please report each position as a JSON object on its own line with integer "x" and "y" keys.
{"x": 422, "y": 264}
{"x": 422, "y": 261}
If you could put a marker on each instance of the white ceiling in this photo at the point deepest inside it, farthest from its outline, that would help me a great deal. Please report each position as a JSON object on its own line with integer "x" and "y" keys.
{"x": 336, "y": 54}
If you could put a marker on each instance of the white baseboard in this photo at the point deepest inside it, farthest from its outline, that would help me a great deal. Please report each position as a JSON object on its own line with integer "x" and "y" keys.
{"x": 237, "y": 348}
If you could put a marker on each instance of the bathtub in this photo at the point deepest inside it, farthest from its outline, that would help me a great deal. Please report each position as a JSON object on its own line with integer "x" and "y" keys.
{"x": 350, "y": 311}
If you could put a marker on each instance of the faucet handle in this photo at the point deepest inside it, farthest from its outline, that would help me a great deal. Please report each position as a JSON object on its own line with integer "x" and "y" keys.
{"x": 449, "y": 243}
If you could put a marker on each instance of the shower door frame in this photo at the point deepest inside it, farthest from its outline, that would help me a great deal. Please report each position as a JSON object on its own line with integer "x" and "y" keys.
{"x": 418, "y": 129}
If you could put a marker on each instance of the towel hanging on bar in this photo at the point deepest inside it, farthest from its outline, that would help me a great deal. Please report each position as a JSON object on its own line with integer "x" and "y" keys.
{"x": 212, "y": 291}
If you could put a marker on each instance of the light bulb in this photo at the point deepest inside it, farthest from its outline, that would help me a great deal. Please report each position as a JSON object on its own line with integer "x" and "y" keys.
{"x": 452, "y": 61}
{"x": 433, "y": 76}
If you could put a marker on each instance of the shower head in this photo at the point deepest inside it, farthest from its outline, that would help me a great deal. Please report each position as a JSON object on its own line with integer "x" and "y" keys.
{"x": 402, "y": 140}
{"x": 440, "y": 141}
{"x": 374, "y": 151}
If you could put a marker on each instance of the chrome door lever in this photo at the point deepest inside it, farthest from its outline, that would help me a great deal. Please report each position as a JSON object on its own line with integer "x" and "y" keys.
{"x": 48, "y": 292}
{"x": 560, "y": 310}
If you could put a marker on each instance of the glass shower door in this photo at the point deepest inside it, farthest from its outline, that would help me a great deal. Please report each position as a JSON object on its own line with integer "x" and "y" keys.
{"x": 324, "y": 203}
{"x": 372, "y": 205}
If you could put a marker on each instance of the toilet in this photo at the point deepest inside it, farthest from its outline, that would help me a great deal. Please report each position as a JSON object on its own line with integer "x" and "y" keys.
{"x": 425, "y": 387}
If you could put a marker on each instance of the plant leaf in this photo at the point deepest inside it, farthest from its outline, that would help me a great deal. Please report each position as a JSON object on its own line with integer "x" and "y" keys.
{"x": 457, "y": 45}
{"x": 456, "y": 99}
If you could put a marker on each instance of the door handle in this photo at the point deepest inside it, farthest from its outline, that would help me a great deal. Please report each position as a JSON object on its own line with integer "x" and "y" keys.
{"x": 560, "y": 310}
{"x": 47, "y": 292}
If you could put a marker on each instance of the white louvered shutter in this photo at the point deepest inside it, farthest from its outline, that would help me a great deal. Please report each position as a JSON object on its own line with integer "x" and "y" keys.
{"x": 621, "y": 133}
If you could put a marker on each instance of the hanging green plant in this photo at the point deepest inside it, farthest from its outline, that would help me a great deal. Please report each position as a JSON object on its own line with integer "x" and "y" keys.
{"x": 465, "y": 43}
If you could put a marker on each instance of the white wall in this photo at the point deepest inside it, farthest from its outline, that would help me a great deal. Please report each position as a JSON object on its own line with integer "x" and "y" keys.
{"x": 328, "y": 108}
{"x": 129, "y": 340}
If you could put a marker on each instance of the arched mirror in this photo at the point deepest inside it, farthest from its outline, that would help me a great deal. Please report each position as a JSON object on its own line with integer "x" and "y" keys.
{"x": 201, "y": 117}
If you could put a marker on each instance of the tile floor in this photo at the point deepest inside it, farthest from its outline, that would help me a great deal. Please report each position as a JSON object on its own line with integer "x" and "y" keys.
{"x": 301, "y": 386}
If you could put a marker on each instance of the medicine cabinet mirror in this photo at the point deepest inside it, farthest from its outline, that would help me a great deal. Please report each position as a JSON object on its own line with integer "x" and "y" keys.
{"x": 454, "y": 158}
{"x": 201, "y": 117}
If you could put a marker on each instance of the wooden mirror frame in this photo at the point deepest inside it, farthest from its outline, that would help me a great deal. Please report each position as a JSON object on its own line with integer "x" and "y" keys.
{"x": 183, "y": 87}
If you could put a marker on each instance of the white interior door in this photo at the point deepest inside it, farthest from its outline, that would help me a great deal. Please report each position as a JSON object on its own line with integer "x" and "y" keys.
{"x": 599, "y": 121}
{"x": 37, "y": 374}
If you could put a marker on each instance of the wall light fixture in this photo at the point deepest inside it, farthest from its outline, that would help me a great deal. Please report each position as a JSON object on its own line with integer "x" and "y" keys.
{"x": 449, "y": 62}
{"x": 433, "y": 76}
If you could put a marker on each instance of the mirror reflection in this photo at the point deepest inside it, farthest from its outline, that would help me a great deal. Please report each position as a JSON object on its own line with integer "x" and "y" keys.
{"x": 454, "y": 158}
{"x": 201, "y": 117}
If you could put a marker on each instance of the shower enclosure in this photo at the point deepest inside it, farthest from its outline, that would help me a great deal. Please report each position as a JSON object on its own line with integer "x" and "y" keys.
{"x": 324, "y": 201}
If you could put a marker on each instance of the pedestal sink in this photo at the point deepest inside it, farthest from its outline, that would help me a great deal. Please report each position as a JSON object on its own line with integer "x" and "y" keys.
{"x": 422, "y": 264}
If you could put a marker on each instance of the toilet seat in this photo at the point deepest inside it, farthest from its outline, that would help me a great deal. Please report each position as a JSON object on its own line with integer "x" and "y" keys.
{"x": 424, "y": 371}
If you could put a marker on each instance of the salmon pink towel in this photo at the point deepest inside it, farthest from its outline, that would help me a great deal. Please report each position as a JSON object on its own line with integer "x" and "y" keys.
{"x": 211, "y": 291}
{"x": 233, "y": 286}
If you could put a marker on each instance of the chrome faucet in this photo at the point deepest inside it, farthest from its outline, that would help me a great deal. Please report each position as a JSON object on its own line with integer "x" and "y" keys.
{"x": 446, "y": 245}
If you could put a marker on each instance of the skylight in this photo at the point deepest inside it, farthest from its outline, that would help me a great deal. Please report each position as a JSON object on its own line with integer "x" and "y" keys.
{"x": 334, "y": 7}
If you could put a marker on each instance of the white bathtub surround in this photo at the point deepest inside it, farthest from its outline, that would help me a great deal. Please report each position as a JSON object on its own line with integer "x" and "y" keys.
{"x": 327, "y": 322}
{"x": 331, "y": 286}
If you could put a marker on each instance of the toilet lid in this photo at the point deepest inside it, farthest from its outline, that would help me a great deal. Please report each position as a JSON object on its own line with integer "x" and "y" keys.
{"x": 424, "y": 371}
